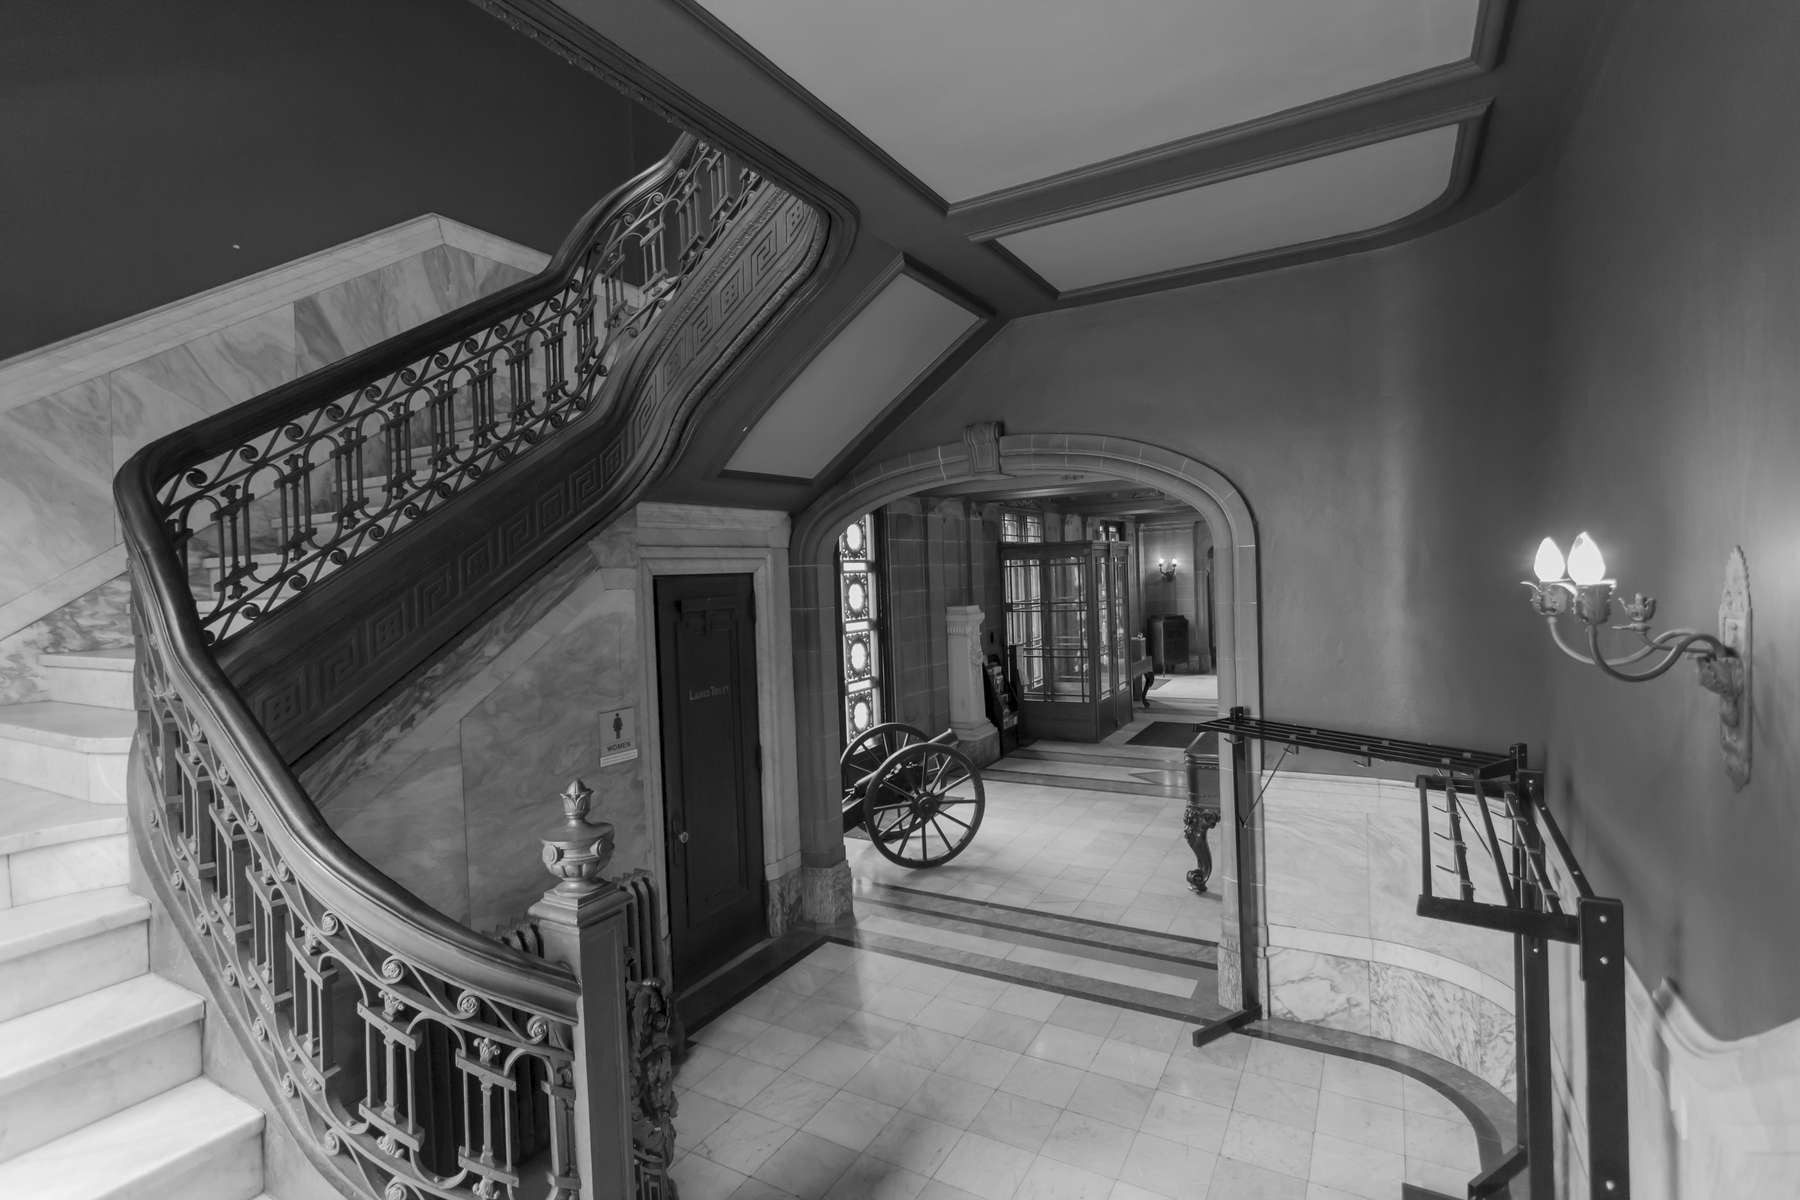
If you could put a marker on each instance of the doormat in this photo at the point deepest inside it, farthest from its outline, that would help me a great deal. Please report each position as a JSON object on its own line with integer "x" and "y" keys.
{"x": 1172, "y": 733}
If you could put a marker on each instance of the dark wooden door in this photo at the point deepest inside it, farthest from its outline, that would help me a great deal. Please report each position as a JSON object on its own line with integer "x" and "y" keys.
{"x": 711, "y": 766}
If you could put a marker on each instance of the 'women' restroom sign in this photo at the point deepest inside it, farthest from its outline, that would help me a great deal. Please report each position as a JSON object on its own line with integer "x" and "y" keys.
{"x": 618, "y": 736}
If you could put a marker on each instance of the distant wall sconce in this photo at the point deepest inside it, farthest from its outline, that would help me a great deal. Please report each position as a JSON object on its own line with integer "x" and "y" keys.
{"x": 1579, "y": 585}
{"x": 1167, "y": 567}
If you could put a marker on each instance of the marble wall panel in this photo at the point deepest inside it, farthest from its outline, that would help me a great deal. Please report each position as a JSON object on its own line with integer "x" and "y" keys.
{"x": 1317, "y": 869}
{"x": 374, "y": 307}
{"x": 163, "y": 393}
{"x": 1441, "y": 1018}
{"x": 1393, "y": 897}
{"x": 58, "y": 453}
{"x": 56, "y": 509}
{"x": 414, "y": 830}
{"x": 1323, "y": 989}
{"x": 99, "y": 619}
{"x": 539, "y": 730}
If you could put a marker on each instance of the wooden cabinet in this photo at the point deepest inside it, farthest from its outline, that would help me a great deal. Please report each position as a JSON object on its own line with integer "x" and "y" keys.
{"x": 1068, "y": 643}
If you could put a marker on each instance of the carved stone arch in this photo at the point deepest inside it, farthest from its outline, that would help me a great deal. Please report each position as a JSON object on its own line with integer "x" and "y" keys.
{"x": 1037, "y": 456}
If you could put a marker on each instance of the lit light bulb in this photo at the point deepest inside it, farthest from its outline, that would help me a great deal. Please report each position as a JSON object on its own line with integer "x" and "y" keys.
{"x": 1586, "y": 566}
{"x": 1548, "y": 564}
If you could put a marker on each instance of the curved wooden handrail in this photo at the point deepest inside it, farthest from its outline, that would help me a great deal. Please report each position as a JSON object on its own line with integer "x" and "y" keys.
{"x": 291, "y": 916}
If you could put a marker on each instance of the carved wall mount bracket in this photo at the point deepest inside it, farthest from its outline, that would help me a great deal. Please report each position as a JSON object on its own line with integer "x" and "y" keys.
{"x": 983, "y": 440}
{"x": 1734, "y": 704}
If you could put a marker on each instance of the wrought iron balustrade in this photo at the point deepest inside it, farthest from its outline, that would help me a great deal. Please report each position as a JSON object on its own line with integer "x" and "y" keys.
{"x": 411, "y": 1057}
{"x": 289, "y": 499}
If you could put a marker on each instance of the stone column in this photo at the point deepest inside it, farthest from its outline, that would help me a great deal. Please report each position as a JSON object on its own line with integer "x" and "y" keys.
{"x": 968, "y": 684}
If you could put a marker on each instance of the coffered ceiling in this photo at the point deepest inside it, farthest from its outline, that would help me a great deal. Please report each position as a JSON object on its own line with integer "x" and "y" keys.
{"x": 1012, "y": 156}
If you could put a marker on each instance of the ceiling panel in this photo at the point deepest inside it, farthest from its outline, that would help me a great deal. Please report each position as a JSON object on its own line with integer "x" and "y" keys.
{"x": 972, "y": 96}
{"x": 1336, "y": 194}
{"x": 871, "y": 362}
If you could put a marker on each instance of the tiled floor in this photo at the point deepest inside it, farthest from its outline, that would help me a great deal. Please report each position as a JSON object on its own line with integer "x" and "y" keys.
{"x": 855, "y": 1075}
{"x": 1072, "y": 851}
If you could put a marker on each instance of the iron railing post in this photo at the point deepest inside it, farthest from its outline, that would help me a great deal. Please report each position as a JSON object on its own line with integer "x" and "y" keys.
{"x": 1603, "y": 975}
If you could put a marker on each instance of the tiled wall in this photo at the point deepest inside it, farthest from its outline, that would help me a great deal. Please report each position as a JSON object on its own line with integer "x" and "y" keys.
{"x": 451, "y": 784}
{"x": 71, "y": 414}
{"x": 1346, "y": 946}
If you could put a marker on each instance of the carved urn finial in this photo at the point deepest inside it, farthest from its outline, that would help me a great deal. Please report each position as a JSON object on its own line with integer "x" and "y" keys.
{"x": 577, "y": 850}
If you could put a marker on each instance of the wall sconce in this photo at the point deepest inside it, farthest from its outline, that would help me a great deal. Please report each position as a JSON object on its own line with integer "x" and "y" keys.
{"x": 1167, "y": 567}
{"x": 1579, "y": 585}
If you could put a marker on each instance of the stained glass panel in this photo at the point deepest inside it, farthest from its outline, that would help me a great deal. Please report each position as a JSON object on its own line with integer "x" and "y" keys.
{"x": 859, "y": 652}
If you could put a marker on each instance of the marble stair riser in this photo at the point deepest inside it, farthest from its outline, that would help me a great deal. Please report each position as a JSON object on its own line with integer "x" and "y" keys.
{"x": 97, "y": 777}
{"x": 96, "y": 686}
{"x": 195, "y": 1142}
{"x": 45, "y": 872}
{"x": 93, "y": 1090}
{"x": 61, "y": 972}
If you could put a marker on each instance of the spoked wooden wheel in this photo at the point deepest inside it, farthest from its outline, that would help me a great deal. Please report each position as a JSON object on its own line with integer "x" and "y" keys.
{"x": 864, "y": 756}
{"x": 924, "y": 805}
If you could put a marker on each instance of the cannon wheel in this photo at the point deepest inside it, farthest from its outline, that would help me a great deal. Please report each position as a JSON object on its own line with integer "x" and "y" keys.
{"x": 864, "y": 756}
{"x": 924, "y": 805}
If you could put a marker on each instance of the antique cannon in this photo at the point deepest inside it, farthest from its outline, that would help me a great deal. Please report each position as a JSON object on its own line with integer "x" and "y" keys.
{"x": 919, "y": 799}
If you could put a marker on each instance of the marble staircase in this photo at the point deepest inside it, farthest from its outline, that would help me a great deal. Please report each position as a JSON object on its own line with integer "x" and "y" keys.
{"x": 101, "y": 1088}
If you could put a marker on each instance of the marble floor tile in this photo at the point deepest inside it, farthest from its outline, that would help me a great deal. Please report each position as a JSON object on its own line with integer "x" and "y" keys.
{"x": 1005, "y": 1031}
{"x": 1059, "y": 1044}
{"x": 1265, "y": 1143}
{"x": 1087, "y": 1142}
{"x": 792, "y": 1100}
{"x": 1289, "y": 1103}
{"x": 806, "y": 1166}
{"x": 1049, "y": 1179}
{"x": 736, "y": 1080}
{"x": 1200, "y": 1080}
{"x": 1355, "y": 1168}
{"x": 1181, "y": 1119}
{"x": 697, "y": 1116}
{"x": 888, "y": 1080}
{"x": 850, "y": 1120}
{"x": 915, "y": 1142}
{"x": 1015, "y": 1120}
{"x": 928, "y": 1048}
{"x": 831, "y": 1063}
{"x": 949, "y": 1100}
{"x": 1450, "y": 1143}
{"x": 1235, "y": 1180}
{"x": 1364, "y": 1081}
{"x": 1292, "y": 1063}
{"x": 979, "y": 1063}
{"x": 699, "y": 1178}
{"x": 1036, "y": 1079}
{"x": 744, "y": 1141}
{"x": 1027, "y": 1002}
{"x": 1133, "y": 1064}
{"x": 1168, "y": 1168}
{"x": 985, "y": 1168}
{"x": 949, "y": 1016}
{"x": 1111, "y": 1099}
{"x": 871, "y": 1178}
{"x": 1362, "y": 1121}
{"x": 776, "y": 1046}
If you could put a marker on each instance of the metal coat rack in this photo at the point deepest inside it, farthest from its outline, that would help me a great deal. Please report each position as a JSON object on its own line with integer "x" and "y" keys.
{"x": 1480, "y": 808}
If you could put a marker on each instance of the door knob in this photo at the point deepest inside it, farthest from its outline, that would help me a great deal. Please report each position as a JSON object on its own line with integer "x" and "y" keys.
{"x": 682, "y": 837}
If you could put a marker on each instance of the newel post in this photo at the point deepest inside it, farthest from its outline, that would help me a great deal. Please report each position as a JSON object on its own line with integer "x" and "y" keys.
{"x": 582, "y": 920}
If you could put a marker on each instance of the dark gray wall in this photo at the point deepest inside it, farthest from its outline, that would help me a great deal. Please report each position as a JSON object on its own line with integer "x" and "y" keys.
{"x": 139, "y": 142}
{"x": 1675, "y": 251}
{"x": 1376, "y": 412}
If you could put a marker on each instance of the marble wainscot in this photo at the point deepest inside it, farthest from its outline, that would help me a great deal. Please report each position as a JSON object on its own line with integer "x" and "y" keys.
{"x": 1346, "y": 948}
{"x": 449, "y": 785}
{"x": 1710, "y": 1117}
{"x": 73, "y": 412}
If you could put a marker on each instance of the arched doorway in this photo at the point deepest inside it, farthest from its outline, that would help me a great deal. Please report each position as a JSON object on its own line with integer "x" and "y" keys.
{"x": 985, "y": 454}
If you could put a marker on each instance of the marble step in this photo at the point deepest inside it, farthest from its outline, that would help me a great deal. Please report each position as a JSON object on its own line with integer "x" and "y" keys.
{"x": 78, "y": 750}
{"x": 52, "y": 845}
{"x": 194, "y": 1142}
{"x": 101, "y": 678}
{"x": 55, "y": 950}
{"x": 85, "y": 1059}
